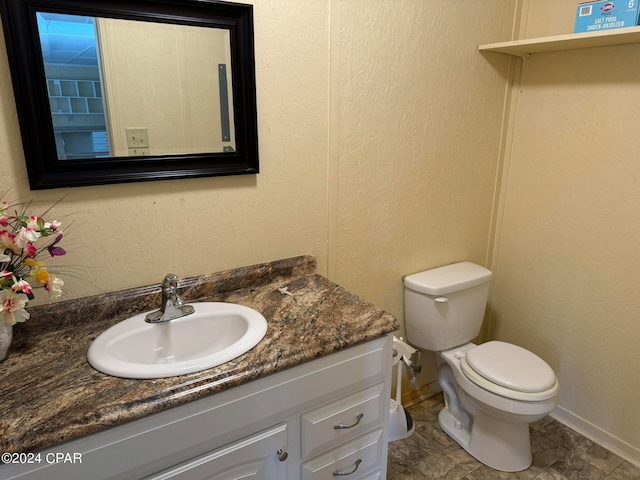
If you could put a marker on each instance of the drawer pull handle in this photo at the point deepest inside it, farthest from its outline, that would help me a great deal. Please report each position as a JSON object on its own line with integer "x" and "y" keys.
{"x": 282, "y": 455}
{"x": 338, "y": 473}
{"x": 342, "y": 426}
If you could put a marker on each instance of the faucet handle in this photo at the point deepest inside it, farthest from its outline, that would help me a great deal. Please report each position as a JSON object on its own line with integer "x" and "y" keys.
{"x": 172, "y": 305}
{"x": 170, "y": 283}
{"x": 170, "y": 291}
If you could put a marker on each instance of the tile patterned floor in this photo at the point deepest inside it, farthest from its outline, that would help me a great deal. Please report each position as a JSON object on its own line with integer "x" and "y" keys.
{"x": 559, "y": 453}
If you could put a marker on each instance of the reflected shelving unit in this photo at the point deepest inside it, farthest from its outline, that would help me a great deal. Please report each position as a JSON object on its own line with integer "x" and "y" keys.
{"x": 75, "y": 96}
{"x": 78, "y": 115}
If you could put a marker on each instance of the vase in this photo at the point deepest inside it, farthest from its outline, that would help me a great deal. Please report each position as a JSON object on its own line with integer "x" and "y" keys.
{"x": 6, "y": 335}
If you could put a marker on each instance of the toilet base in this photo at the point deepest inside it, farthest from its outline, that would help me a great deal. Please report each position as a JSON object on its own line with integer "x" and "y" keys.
{"x": 501, "y": 445}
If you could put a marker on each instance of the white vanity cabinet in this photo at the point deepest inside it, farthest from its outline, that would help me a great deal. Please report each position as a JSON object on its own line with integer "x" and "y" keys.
{"x": 324, "y": 419}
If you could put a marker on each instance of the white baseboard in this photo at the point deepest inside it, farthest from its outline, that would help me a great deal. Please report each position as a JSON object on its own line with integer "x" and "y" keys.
{"x": 597, "y": 435}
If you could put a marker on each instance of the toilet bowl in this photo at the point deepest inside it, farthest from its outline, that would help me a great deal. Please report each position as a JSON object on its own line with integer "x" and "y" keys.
{"x": 488, "y": 419}
{"x": 492, "y": 391}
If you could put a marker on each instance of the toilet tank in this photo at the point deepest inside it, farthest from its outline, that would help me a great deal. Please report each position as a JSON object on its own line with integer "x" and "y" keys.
{"x": 444, "y": 307}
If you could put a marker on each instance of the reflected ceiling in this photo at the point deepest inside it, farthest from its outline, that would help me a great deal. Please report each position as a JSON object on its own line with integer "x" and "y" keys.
{"x": 67, "y": 39}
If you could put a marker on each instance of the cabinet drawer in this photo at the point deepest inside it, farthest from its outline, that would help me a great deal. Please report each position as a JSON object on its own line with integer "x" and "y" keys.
{"x": 352, "y": 460}
{"x": 342, "y": 419}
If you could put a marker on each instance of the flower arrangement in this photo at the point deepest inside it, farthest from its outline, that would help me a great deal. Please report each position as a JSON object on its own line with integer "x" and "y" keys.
{"x": 21, "y": 269}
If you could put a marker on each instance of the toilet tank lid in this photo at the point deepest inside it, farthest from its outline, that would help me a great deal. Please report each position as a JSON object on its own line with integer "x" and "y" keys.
{"x": 448, "y": 279}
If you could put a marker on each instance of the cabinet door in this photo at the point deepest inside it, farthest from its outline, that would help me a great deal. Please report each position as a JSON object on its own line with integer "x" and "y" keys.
{"x": 259, "y": 457}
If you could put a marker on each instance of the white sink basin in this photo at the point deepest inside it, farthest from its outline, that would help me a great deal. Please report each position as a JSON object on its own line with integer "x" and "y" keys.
{"x": 214, "y": 334}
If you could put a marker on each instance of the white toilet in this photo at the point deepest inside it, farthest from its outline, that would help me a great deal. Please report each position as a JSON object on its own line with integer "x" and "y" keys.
{"x": 492, "y": 391}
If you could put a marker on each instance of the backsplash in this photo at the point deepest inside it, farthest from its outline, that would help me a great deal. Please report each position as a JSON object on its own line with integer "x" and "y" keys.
{"x": 124, "y": 303}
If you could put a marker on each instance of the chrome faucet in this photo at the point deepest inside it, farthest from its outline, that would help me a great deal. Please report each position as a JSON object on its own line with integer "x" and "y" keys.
{"x": 172, "y": 305}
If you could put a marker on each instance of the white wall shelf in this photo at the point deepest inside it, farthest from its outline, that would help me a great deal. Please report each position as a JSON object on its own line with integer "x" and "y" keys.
{"x": 573, "y": 41}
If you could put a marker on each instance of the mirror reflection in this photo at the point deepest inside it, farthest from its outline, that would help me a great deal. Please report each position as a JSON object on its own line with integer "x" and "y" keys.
{"x": 127, "y": 88}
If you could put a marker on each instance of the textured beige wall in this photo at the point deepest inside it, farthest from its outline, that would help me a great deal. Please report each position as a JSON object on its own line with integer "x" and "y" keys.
{"x": 568, "y": 248}
{"x": 415, "y": 140}
{"x": 133, "y": 234}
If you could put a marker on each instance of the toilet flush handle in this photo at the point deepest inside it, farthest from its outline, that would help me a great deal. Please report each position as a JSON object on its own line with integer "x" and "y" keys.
{"x": 441, "y": 300}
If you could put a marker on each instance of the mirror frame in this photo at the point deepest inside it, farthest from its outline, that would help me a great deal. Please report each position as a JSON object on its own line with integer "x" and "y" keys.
{"x": 45, "y": 170}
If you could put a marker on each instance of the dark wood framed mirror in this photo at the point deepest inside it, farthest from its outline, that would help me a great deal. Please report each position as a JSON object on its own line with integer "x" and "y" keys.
{"x": 97, "y": 104}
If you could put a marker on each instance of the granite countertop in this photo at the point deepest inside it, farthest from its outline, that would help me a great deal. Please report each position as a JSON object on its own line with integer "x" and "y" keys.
{"x": 50, "y": 394}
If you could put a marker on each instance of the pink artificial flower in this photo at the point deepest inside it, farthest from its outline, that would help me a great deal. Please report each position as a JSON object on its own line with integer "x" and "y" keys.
{"x": 6, "y": 274}
{"x": 12, "y": 307}
{"x": 22, "y": 286}
{"x": 55, "y": 226}
{"x": 8, "y": 240}
{"x": 27, "y": 234}
{"x": 4, "y": 221}
{"x": 7, "y": 278}
{"x": 30, "y": 250}
{"x": 53, "y": 286}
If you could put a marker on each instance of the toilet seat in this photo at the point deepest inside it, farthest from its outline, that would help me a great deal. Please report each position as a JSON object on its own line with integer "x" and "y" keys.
{"x": 509, "y": 371}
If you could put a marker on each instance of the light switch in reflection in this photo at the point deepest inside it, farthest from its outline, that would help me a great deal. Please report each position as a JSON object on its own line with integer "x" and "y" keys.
{"x": 137, "y": 137}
